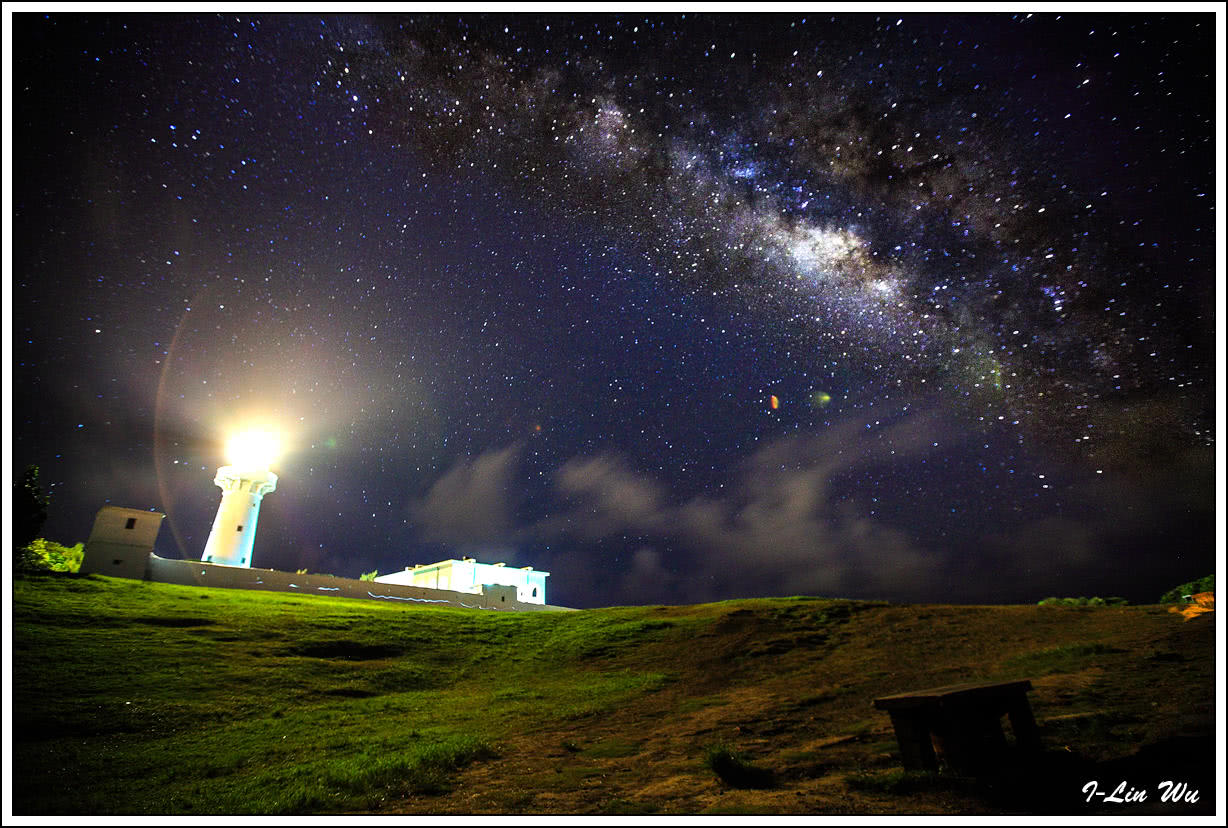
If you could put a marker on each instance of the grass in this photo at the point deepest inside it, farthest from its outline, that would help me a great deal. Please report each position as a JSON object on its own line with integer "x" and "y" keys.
{"x": 611, "y": 748}
{"x": 1065, "y": 659}
{"x": 898, "y": 781}
{"x": 691, "y": 705}
{"x": 424, "y": 770}
{"x": 142, "y": 698}
{"x": 275, "y": 706}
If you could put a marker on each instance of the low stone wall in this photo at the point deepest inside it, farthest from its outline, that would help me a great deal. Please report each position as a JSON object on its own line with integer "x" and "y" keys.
{"x": 196, "y": 573}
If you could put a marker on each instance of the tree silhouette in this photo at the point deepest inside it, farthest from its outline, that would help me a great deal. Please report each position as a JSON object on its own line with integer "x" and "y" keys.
{"x": 29, "y": 508}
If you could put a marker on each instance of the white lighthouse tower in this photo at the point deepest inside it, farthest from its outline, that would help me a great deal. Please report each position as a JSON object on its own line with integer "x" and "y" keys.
{"x": 244, "y": 484}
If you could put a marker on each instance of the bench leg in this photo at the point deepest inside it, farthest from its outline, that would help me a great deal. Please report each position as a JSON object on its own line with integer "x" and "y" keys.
{"x": 916, "y": 747}
{"x": 1023, "y": 725}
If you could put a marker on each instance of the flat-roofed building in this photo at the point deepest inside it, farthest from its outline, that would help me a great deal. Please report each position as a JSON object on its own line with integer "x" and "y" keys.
{"x": 467, "y": 575}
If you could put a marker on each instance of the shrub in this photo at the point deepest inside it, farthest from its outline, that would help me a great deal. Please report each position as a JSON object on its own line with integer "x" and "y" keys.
{"x": 1064, "y": 602}
{"x": 43, "y": 555}
{"x": 1177, "y": 595}
{"x": 734, "y": 769}
{"x": 1083, "y": 602}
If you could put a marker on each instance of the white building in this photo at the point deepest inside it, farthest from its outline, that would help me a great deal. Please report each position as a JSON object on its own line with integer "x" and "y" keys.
{"x": 121, "y": 541}
{"x": 467, "y": 575}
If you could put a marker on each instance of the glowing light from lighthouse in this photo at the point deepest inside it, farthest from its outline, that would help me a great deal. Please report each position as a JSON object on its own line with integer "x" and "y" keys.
{"x": 253, "y": 449}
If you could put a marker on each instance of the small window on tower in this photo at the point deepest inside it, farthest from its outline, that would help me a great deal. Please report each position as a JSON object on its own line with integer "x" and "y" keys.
{"x": 240, "y": 527}
{"x": 130, "y": 524}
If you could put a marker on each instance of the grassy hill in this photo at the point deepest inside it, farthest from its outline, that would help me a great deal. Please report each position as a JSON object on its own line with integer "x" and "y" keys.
{"x": 144, "y": 698}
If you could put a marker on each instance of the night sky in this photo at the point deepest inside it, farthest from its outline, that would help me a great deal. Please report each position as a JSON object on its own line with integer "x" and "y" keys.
{"x": 678, "y": 308}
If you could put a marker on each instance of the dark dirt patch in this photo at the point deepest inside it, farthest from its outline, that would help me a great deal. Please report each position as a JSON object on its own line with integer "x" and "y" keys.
{"x": 352, "y": 693}
{"x": 174, "y": 621}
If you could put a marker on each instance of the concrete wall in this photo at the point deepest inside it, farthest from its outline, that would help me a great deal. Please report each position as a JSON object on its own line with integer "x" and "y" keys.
{"x": 196, "y": 573}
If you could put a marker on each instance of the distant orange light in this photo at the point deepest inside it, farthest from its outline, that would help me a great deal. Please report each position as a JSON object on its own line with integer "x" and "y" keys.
{"x": 774, "y": 402}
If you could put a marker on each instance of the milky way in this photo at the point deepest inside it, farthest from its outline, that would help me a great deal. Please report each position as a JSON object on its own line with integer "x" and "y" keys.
{"x": 678, "y": 307}
{"x": 916, "y": 200}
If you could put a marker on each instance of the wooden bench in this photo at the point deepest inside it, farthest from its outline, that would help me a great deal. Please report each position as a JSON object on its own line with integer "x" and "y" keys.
{"x": 963, "y": 722}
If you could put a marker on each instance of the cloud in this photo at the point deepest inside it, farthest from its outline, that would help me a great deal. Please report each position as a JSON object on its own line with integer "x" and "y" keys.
{"x": 785, "y": 527}
{"x": 648, "y": 580}
{"x": 780, "y": 525}
{"x": 796, "y": 517}
{"x": 609, "y": 497}
{"x": 471, "y": 504}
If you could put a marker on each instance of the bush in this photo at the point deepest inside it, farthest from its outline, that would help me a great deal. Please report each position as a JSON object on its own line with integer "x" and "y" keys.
{"x": 1083, "y": 602}
{"x": 42, "y": 555}
{"x": 1177, "y": 595}
{"x": 734, "y": 769}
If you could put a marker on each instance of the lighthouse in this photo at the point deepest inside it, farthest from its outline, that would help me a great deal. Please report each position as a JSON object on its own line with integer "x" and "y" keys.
{"x": 244, "y": 483}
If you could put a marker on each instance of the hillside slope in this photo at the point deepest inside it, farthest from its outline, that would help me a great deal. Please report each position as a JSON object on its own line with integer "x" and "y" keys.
{"x": 143, "y": 698}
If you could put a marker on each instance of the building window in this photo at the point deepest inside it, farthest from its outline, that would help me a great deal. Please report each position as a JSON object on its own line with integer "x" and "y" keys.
{"x": 534, "y": 592}
{"x": 130, "y": 524}
{"x": 239, "y": 527}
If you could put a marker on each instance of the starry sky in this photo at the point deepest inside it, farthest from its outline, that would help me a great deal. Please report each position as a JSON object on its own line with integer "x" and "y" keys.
{"x": 679, "y": 308}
